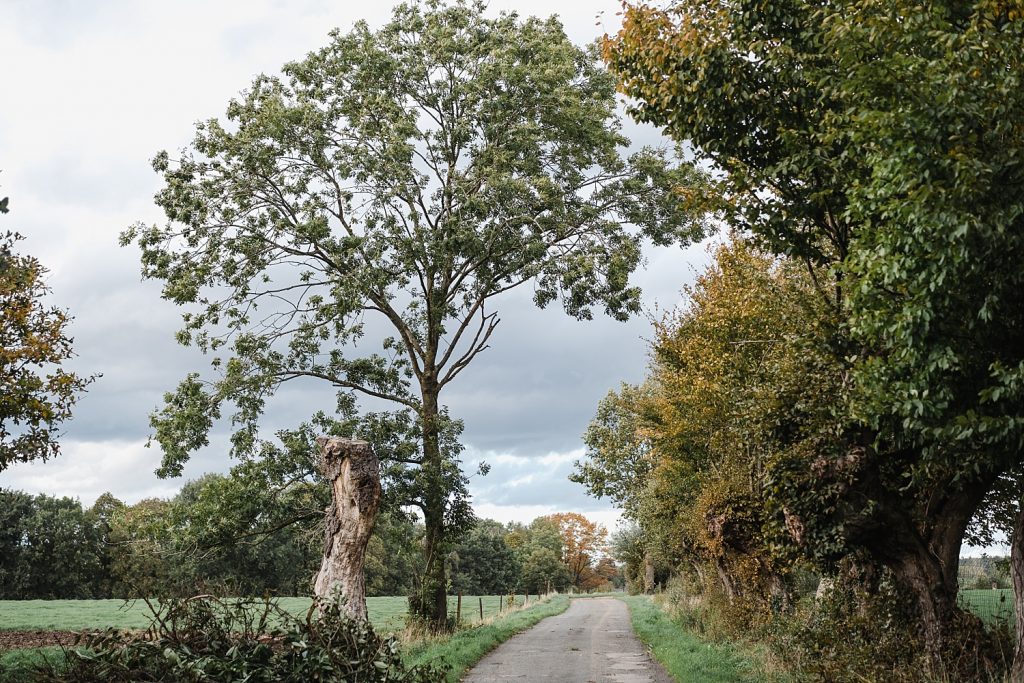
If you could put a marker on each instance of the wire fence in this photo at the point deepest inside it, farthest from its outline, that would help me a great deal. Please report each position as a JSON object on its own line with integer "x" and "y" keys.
{"x": 991, "y": 605}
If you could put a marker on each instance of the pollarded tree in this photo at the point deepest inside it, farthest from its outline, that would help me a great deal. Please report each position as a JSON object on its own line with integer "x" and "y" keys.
{"x": 403, "y": 177}
{"x": 36, "y": 393}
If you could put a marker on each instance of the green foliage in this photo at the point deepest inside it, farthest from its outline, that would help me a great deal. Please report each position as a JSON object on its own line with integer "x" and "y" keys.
{"x": 203, "y": 638}
{"x": 482, "y": 563}
{"x": 848, "y": 635}
{"x": 49, "y": 548}
{"x": 873, "y": 141}
{"x": 684, "y": 656}
{"x": 408, "y": 175}
{"x": 36, "y": 393}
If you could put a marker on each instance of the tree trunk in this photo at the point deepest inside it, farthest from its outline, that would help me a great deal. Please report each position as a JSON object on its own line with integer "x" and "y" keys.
{"x": 927, "y": 564}
{"x": 431, "y": 602}
{"x": 723, "y": 576}
{"x": 352, "y": 468}
{"x": 1017, "y": 570}
{"x": 648, "y": 573}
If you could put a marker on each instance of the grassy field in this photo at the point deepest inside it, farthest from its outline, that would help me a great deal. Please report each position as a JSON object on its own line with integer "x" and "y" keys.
{"x": 686, "y": 657}
{"x": 459, "y": 651}
{"x": 990, "y": 605}
{"x": 386, "y": 614}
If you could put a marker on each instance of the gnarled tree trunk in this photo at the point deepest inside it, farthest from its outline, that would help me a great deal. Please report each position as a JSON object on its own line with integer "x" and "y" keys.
{"x": 354, "y": 473}
{"x": 648, "y": 573}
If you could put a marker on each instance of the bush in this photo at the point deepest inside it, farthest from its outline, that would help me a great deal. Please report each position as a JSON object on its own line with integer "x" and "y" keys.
{"x": 208, "y": 639}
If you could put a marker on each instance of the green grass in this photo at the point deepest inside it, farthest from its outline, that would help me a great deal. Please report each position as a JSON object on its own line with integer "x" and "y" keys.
{"x": 18, "y": 665}
{"x": 990, "y": 605}
{"x": 684, "y": 656}
{"x": 459, "y": 651}
{"x": 468, "y": 646}
{"x": 387, "y": 614}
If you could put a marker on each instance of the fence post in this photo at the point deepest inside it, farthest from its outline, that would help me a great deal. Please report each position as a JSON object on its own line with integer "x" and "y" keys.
{"x": 458, "y": 610}
{"x": 481, "y": 609}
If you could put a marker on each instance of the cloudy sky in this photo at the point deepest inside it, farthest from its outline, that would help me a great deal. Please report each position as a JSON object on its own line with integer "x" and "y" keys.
{"x": 92, "y": 90}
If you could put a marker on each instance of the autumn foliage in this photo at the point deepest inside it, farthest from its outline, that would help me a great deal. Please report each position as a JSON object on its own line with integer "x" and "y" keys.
{"x": 36, "y": 393}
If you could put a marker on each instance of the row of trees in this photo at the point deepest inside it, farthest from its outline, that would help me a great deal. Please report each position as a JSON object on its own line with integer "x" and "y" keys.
{"x": 54, "y": 548}
{"x": 846, "y": 385}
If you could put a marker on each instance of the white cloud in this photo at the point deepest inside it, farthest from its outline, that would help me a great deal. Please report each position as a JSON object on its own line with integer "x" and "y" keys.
{"x": 85, "y": 470}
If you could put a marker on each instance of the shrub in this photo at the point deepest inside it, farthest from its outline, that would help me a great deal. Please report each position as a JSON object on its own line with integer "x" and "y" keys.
{"x": 204, "y": 639}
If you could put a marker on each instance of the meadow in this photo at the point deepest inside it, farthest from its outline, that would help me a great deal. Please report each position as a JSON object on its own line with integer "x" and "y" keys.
{"x": 991, "y": 605}
{"x": 387, "y": 614}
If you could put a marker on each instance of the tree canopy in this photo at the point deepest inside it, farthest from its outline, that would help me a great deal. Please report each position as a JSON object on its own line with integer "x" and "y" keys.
{"x": 874, "y": 139}
{"x": 400, "y": 179}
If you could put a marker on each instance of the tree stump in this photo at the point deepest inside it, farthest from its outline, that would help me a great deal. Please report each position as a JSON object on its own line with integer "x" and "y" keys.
{"x": 354, "y": 474}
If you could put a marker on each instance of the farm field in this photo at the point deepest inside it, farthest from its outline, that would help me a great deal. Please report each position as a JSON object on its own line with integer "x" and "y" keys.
{"x": 387, "y": 614}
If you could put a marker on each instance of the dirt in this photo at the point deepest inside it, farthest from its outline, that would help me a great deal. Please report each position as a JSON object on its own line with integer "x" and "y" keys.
{"x": 15, "y": 640}
{"x": 591, "y": 642}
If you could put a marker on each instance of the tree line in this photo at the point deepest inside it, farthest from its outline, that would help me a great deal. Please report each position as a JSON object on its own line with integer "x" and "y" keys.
{"x": 56, "y": 548}
{"x": 842, "y": 392}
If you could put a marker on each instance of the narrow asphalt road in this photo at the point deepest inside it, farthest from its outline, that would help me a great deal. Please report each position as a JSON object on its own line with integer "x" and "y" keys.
{"x": 591, "y": 642}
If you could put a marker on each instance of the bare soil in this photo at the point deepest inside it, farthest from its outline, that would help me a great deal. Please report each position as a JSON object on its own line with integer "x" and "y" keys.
{"x": 16, "y": 640}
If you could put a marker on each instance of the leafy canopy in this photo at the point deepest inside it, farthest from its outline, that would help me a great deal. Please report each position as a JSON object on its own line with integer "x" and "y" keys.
{"x": 398, "y": 179}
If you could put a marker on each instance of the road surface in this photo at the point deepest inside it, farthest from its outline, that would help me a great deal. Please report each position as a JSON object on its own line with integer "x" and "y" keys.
{"x": 591, "y": 642}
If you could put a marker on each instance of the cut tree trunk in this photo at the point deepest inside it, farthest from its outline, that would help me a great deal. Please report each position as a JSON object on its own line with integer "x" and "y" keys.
{"x": 354, "y": 473}
{"x": 1017, "y": 570}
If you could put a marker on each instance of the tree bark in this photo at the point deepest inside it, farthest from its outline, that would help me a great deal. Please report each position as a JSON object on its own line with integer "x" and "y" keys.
{"x": 926, "y": 561}
{"x": 648, "y": 573}
{"x": 431, "y": 603}
{"x": 354, "y": 472}
{"x": 1017, "y": 570}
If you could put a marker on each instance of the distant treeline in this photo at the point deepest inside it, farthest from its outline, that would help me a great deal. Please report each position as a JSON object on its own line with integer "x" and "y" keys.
{"x": 55, "y": 548}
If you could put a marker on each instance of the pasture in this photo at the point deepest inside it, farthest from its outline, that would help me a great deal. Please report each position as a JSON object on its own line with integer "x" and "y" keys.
{"x": 989, "y": 605}
{"x": 387, "y": 614}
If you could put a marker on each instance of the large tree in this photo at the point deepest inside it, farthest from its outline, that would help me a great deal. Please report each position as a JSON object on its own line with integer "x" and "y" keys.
{"x": 400, "y": 179}
{"x": 583, "y": 542}
{"x": 878, "y": 139}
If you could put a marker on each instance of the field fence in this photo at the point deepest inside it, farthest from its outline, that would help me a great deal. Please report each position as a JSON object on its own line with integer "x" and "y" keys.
{"x": 991, "y": 605}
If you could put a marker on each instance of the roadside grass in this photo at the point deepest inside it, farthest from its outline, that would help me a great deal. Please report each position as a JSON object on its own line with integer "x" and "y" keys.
{"x": 387, "y": 614}
{"x": 466, "y": 647}
{"x": 685, "y": 656}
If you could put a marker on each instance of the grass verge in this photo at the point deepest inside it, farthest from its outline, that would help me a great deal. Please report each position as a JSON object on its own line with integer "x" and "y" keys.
{"x": 464, "y": 648}
{"x": 686, "y": 657}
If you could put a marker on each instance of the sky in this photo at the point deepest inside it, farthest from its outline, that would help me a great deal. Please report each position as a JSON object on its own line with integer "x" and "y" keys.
{"x": 93, "y": 90}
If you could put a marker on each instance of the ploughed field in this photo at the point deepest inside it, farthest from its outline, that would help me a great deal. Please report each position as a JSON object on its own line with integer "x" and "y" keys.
{"x": 387, "y": 614}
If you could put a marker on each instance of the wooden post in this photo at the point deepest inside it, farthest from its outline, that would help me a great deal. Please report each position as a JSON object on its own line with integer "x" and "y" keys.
{"x": 481, "y": 609}
{"x": 353, "y": 472}
{"x": 458, "y": 610}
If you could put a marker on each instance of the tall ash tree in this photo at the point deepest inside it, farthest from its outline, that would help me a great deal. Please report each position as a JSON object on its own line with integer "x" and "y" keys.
{"x": 402, "y": 178}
